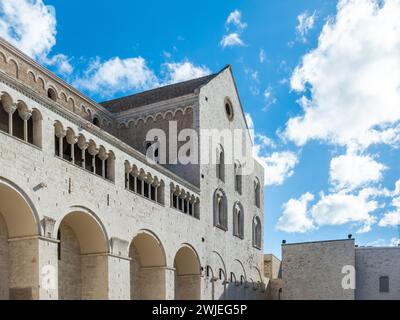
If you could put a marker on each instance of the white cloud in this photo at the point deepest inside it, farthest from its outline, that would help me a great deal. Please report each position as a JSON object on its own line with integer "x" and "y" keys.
{"x": 353, "y": 78}
{"x": 30, "y": 26}
{"x": 231, "y": 40}
{"x": 269, "y": 98}
{"x": 262, "y": 56}
{"x": 342, "y": 208}
{"x": 117, "y": 75}
{"x": 182, "y": 71}
{"x": 305, "y": 22}
{"x": 390, "y": 219}
{"x": 351, "y": 171}
{"x": 295, "y": 217}
{"x": 132, "y": 74}
{"x": 278, "y": 167}
{"x": 235, "y": 19}
{"x": 61, "y": 62}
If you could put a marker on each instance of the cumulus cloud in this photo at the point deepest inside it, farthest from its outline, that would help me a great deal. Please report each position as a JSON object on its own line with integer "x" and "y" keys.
{"x": 235, "y": 27}
{"x": 182, "y": 71}
{"x": 235, "y": 18}
{"x": 295, "y": 217}
{"x": 117, "y": 75}
{"x": 361, "y": 209}
{"x": 351, "y": 80}
{"x": 305, "y": 22}
{"x": 342, "y": 208}
{"x": 335, "y": 209}
{"x": 232, "y": 39}
{"x": 278, "y": 166}
{"x": 351, "y": 171}
{"x": 30, "y": 26}
{"x": 61, "y": 62}
{"x": 392, "y": 218}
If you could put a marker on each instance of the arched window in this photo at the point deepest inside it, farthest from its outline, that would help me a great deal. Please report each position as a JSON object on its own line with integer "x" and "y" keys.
{"x": 220, "y": 163}
{"x": 238, "y": 220}
{"x": 96, "y": 121}
{"x": 257, "y": 192}
{"x": 17, "y": 125}
{"x": 220, "y": 210}
{"x": 238, "y": 178}
{"x": 257, "y": 232}
{"x": 51, "y": 93}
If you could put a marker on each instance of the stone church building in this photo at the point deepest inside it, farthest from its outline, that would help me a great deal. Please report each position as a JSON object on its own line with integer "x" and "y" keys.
{"x": 85, "y": 215}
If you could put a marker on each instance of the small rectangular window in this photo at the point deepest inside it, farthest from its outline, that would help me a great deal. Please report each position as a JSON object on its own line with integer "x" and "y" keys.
{"x": 384, "y": 284}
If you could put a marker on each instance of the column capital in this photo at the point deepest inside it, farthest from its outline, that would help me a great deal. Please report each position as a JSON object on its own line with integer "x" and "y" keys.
{"x": 10, "y": 107}
{"x": 93, "y": 150}
{"x": 103, "y": 155}
{"x": 83, "y": 145}
{"x": 25, "y": 114}
{"x": 61, "y": 133}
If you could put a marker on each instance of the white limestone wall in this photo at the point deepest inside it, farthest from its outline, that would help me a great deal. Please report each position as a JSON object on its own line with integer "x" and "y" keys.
{"x": 373, "y": 263}
{"x": 313, "y": 271}
{"x": 229, "y": 248}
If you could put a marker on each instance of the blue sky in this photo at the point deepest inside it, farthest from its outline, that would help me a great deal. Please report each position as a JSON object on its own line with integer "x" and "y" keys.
{"x": 316, "y": 78}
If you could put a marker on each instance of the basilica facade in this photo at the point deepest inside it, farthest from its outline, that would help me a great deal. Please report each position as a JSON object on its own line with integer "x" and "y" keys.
{"x": 84, "y": 214}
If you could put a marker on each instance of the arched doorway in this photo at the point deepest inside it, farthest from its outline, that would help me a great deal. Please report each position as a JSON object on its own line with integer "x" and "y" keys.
{"x": 19, "y": 229}
{"x": 187, "y": 274}
{"x": 147, "y": 267}
{"x": 82, "y": 257}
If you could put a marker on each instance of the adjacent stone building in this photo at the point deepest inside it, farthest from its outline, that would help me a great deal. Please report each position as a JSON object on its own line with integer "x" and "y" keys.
{"x": 84, "y": 214}
{"x": 337, "y": 270}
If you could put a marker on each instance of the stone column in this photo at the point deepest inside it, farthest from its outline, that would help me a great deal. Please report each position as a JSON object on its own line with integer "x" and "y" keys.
{"x": 72, "y": 140}
{"x": 10, "y": 108}
{"x": 103, "y": 157}
{"x": 156, "y": 186}
{"x": 93, "y": 152}
{"x": 60, "y": 135}
{"x": 25, "y": 116}
{"x": 83, "y": 146}
{"x": 128, "y": 170}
